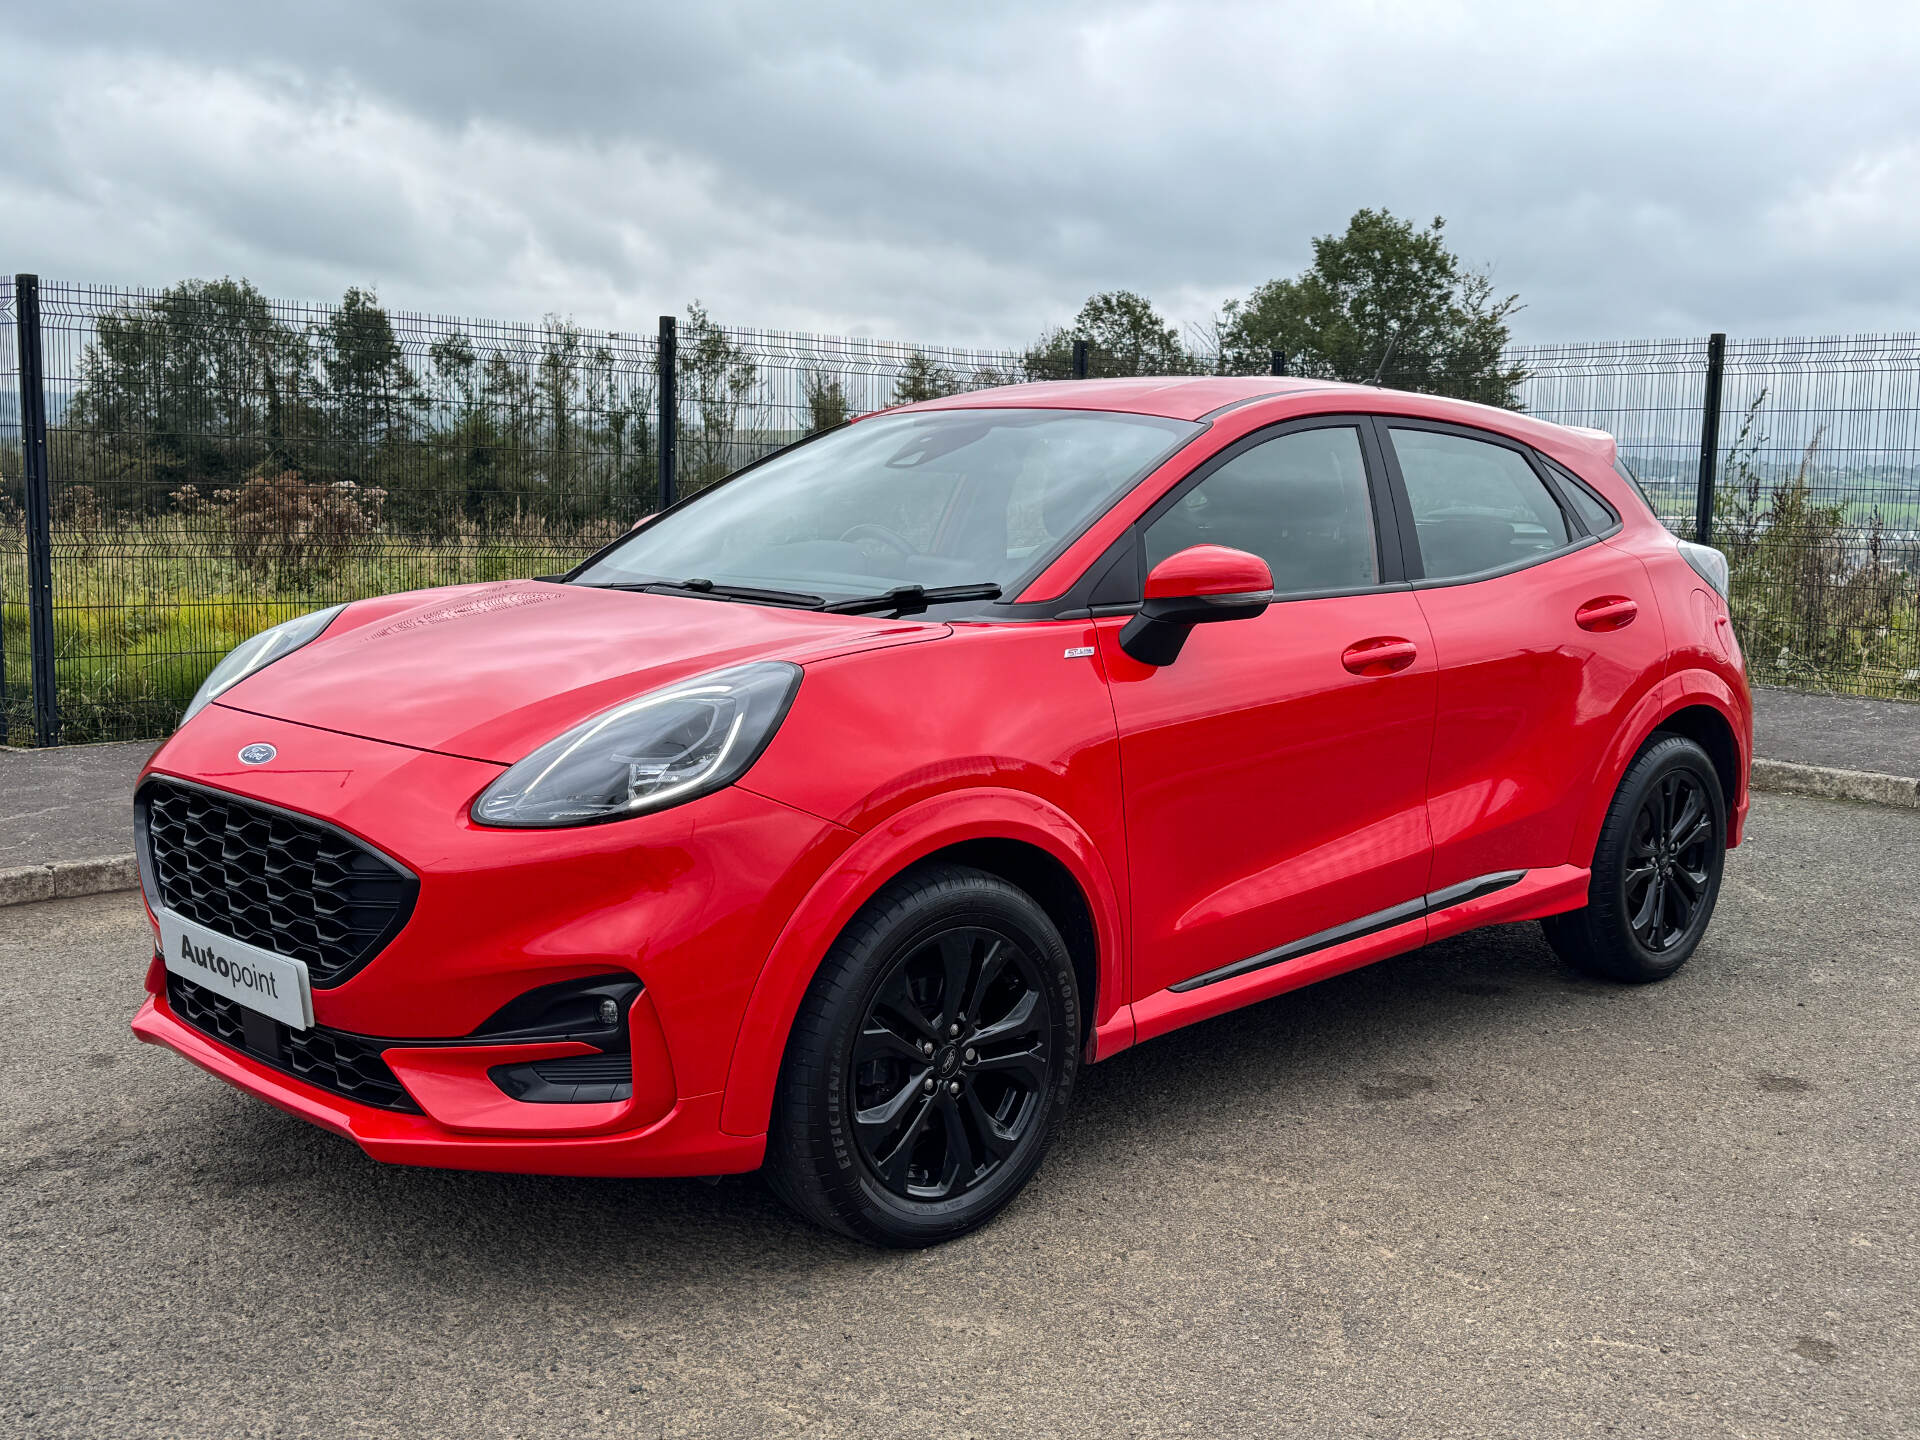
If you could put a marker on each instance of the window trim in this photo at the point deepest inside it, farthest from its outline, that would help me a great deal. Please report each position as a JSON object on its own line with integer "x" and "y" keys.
{"x": 1562, "y": 478}
{"x": 1409, "y": 536}
{"x": 1388, "y": 564}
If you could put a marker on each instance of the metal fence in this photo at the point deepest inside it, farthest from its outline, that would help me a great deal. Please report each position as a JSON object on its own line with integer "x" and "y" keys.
{"x": 1800, "y": 458}
{"x": 215, "y": 461}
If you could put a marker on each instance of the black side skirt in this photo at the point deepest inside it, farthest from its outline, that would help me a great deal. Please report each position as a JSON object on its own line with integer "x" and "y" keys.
{"x": 1353, "y": 929}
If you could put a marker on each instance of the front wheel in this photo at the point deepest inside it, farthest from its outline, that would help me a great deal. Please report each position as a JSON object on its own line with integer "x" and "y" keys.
{"x": 1656, "y": 869}
{"x": 931, "y": 1062}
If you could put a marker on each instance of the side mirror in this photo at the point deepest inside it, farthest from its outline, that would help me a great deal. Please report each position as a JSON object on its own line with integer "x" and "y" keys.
{"x": 1198, "y": 586}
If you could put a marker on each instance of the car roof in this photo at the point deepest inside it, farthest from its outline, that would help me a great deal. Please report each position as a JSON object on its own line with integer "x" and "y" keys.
{"x": 1267, "y": 397}
{"x": 1177, "y": 397}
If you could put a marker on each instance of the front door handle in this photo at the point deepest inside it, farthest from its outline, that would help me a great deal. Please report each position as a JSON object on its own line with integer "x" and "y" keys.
{"x": 1609, "y": 612}
{"x": 1382, "y": 655}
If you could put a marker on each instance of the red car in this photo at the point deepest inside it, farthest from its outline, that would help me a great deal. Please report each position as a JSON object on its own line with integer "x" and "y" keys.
{"x": 832, "y": 818}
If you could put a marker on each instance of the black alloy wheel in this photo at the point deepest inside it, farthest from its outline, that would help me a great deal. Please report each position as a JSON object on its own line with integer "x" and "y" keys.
{"x": 931, "y": 1063}
{"x": 950, "y": 1065}
{"x": 1669, "y": 860}
{"x": 1656, "y": 869}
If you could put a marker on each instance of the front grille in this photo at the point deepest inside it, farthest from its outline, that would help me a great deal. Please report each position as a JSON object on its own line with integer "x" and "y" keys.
{"x": 273, "y": 879}
{"x": 333, "y": 1060}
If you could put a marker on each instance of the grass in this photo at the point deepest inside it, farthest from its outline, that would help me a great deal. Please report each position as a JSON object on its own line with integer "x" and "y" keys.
{"x": 142, "y": 611}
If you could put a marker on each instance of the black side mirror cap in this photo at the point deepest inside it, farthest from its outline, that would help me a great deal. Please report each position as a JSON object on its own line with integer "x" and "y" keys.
{"x": 1155, "y": 635}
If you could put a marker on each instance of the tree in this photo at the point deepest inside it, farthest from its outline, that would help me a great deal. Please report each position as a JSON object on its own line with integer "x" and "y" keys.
{"x": 197, "y": 384}
{"x": 370, "y": 388}
{"x": 924, "y": 378}
{"x": 826, "y": 397}
{"x": 716, "y": 378}
{"x": 1383, "y": 301}
{"x": 1125, "y": 335}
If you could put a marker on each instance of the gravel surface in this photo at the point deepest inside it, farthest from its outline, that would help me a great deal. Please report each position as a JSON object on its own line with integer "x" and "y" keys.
{"x": 1464, "y": 1192}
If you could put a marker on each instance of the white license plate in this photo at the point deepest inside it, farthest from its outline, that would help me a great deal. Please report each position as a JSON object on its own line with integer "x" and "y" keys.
{"x": 255, "y": 978}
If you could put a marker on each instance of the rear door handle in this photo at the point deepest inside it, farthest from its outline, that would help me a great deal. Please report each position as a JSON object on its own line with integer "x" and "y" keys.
{"x": 1382, "y": 655}
{"x": 1609, "y": 612}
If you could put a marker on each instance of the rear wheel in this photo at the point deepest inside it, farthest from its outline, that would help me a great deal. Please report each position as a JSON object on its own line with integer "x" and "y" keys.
{"x": 1656, "y": 869}
{"x": 930, "y": 1064}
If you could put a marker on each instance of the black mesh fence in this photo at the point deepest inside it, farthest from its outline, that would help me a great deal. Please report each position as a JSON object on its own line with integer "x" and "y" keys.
{"x": 1816, "y": 495}
{"x": 219, "y": 461}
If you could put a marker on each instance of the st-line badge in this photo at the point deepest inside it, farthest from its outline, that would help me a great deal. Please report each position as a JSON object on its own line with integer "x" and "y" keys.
{"x": 258, "y": 753}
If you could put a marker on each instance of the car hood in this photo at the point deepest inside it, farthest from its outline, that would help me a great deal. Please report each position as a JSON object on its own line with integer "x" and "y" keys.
{"x": 491, "y": 672}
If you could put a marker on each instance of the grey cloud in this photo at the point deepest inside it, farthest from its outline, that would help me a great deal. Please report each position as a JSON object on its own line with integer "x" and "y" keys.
{"x": 971, "y": 175}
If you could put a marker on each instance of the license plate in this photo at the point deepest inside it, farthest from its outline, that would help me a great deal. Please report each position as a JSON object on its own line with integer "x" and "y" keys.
{"x": 255, "y": 978}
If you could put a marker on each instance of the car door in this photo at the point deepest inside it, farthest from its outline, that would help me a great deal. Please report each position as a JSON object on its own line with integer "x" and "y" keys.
{"x": 1274, "y": 774}
{"x": 1545, "y": 635}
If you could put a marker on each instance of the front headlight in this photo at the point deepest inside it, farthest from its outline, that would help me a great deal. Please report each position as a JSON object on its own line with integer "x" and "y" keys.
{"x": 262, "y": 650}
{"x": 659, "y": 750}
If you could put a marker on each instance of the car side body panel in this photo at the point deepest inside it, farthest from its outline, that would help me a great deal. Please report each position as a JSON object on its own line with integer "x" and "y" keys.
{"x": 1528, "y": 703}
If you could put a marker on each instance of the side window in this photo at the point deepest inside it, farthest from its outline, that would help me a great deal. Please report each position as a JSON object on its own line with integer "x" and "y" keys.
{"x": 1476, "y": 506}
{"x": 1299, "y": 502}
{"x": 1591, "y": 509}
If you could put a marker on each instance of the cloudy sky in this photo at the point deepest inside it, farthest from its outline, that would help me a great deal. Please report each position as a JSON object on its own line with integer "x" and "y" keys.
{"x": 967, "y": 173}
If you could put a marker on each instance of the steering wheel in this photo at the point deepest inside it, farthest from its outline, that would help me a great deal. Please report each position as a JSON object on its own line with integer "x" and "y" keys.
{"x": 866, "y": 529}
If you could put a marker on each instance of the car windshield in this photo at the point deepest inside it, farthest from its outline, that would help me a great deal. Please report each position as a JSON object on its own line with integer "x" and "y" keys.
{"x": 933, "y": 499}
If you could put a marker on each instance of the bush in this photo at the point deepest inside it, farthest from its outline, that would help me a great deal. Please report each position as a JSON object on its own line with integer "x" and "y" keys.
{"x": 1817, "y": 599}
{"x": 290, "y": 533}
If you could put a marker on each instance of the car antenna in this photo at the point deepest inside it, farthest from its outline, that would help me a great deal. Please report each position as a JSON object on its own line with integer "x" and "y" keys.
{"x": 1392, "y": 340}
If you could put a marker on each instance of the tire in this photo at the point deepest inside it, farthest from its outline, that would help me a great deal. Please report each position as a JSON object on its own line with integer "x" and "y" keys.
{"x": 1656, "y": 869}
{"x": 859, "y": 1144}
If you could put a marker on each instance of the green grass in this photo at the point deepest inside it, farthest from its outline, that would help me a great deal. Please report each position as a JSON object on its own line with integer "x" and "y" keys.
{"x": 143, "y": 611}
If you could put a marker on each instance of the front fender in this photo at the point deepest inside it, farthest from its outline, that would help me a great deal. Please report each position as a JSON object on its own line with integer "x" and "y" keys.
{"x": 911, "y": 835}
{"x": 1673, "y": 694}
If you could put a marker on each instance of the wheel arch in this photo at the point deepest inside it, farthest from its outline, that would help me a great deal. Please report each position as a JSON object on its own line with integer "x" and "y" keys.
{"x": 1697, "y": 704}
{"x": 1038, "y": 873}
{"x": 1713, "y": 733}
{"x": 1017, "y": 836}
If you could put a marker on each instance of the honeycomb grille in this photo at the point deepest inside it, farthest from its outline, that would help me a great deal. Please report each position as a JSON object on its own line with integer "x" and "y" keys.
{"x": 286, "y": 884}
{"x": 333, "y": 1060}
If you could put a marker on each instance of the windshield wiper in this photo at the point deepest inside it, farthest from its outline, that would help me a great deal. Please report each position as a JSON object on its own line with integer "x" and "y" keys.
{"x": 699, "y": 586}
{"x": 901, "y": 600}
{"x": 912, "y": 599}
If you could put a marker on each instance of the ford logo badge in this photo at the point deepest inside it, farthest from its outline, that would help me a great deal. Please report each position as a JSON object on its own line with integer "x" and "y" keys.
{"x": 257, "y": 754}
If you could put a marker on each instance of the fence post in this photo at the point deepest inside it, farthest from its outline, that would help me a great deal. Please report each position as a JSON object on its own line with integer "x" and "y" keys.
{"x": 667, "y": 358}
{"x": 1279, "y": 363}
{"x": 33, "y": 449}
{"x": 1079, "y": 359}
{"x": 1710, "y": 439}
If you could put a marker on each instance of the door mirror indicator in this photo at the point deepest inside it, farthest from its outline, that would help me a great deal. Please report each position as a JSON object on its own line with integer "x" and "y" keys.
{"x": 1197, "y": 586}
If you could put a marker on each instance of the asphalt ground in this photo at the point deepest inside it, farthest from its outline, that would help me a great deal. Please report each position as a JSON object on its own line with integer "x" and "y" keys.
{"x": 1846, "y": 732}
{"x": 1461, "y": 1193}
{"x": 68, "y": 802}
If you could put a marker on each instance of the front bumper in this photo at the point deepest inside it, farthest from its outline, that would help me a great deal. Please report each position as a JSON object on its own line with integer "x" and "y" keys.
{"x": 689, "y": 901}
{"x": 687, "y": 1140}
